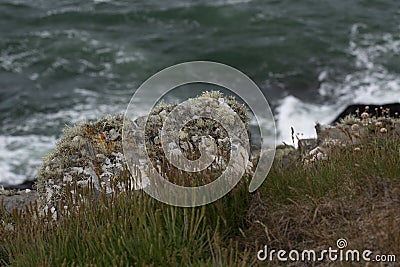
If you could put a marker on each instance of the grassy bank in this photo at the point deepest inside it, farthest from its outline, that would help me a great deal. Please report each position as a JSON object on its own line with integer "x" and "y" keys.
{"x": 355, "y": 195}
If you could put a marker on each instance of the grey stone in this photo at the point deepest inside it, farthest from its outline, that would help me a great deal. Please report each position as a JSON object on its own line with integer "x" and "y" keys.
{"x": 18, "y": 199}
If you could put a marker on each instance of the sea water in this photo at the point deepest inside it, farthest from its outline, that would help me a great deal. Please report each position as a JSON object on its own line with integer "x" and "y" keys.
{"x": 66, "y": 61}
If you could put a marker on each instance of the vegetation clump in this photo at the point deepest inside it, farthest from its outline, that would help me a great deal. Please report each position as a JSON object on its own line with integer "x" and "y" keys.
{"x": 91, "y": 153}
{"x": 354, "y": 194}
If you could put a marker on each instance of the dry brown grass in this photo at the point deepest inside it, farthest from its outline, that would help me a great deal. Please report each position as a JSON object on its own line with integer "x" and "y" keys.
{"x": 365, "y": 211}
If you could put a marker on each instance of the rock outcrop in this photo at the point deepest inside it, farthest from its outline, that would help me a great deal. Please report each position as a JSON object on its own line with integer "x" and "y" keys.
{"x": 391, "y": 110}
{"x": 352, "y": 131}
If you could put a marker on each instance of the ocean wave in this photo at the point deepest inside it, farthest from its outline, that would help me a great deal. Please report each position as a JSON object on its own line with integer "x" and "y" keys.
{"x": 20, "y": 156}
{"x": 371, "y": 83}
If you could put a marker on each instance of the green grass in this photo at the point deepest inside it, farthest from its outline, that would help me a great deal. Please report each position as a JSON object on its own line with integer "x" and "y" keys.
{"x": 130, "y": 228}
{"x": 297, "y": 207}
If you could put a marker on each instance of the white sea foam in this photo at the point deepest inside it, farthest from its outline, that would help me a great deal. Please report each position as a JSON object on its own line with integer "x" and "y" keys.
{"x": 20, "y": 157}
{"x": 292, "y": 112}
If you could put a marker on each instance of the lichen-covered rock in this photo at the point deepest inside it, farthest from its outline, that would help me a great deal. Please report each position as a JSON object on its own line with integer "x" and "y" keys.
{"x": 88, "y": 152}
{"x": 92, "y": 152}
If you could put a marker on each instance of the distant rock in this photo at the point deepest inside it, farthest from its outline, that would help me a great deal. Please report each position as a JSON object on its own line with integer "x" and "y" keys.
{"x": 17, "y": 199}
{"x": 391, "y": 110}
{"x": 25, "y": 185}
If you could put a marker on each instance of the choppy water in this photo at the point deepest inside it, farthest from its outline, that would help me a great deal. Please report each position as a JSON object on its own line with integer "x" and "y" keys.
{"x": 65, "y": 61}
